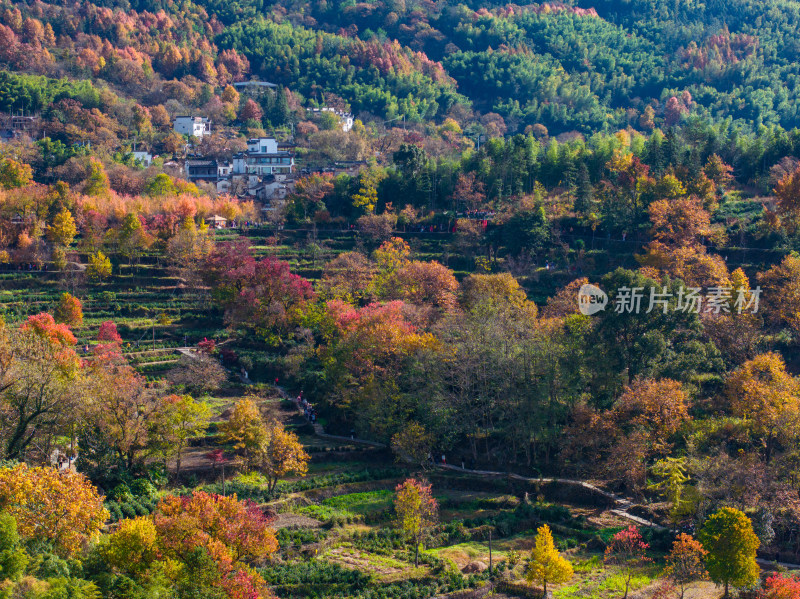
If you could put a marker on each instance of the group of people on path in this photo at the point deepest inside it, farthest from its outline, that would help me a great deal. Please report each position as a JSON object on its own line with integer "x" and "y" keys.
{"x": 308, "y": 410}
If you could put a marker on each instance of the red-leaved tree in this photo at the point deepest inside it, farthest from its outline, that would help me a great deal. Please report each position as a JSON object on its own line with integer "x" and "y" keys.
{"x": 779, "y": 586}
{"x": 261, "y": 294}
{"x": 232, "y": 533}
{"x": 627, "y": 550}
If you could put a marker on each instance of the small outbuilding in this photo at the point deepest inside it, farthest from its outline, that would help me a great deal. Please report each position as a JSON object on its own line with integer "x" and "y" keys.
{"x": 217, "y": 222}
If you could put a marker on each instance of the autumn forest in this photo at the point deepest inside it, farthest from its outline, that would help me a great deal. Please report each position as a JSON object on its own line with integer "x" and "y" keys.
{"x": 399, "y": 299}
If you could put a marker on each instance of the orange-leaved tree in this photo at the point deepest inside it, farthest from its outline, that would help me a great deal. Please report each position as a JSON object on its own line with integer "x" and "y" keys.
{"x": 69, "y": 310}
{"x": 61, "y": 508}
{"x": 38, "y": 369}
{"x": 685, "y": 562}
{"x": 232, "y": 534}
{"x": 281, "y": 453}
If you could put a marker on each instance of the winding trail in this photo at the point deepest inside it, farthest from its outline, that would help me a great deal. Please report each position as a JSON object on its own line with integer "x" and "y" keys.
{"x": 622, "y": 504}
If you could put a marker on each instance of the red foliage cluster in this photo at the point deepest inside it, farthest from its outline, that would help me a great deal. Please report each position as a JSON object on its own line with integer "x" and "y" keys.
{"x": 45, "y": 326}
{"x": 779, "y": 586}
{"x": 262, "y": 293}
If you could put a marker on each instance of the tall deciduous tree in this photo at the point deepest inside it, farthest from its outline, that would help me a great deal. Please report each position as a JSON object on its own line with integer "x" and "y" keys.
{"x": 69, "y": 310}
{"x": 202, "y": 530}
{"x": 132, "y": 548}
{"x": 122, "y": 411}
{"x": 781, "y": 295}
{"x": 14, "y": 174}
{"x": 245, "y": 428}
{"x": 762, "y": 392}
{"x": 63, "y": 229}
{"x": 412, "y": 444}
{"x": 38, "y": 368}
{"x": 97, "y": 183}
{"x": 99, "y": 266}
{"x": 685, "y": 562}
{"x": 731, "y": 544}
{"x": 62, "y": 508}
{"x": 628, "y": 550}
{"x": 181, "y": 418}
{"x": 546, "y": 564}
{"x": 787, "y": 191}
{"x": 262, "y": 294}
{"x": 281, "y": 454}
{"x": 416, "y": 511}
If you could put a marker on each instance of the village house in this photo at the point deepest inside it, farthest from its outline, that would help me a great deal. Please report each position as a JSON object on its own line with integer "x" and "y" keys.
{"x": 263, "y": 157}
{"x": 197, "y": 126}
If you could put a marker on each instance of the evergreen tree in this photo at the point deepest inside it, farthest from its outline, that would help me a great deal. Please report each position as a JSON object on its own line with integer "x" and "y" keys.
{"x": 570, "y": 178}
{"x": 584, "y": 194}
{"x": 671, "y": 148}
{"x": 280, "y": 112}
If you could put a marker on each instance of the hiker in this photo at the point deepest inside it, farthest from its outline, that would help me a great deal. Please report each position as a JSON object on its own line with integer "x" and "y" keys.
{"x": 444, "y": 461}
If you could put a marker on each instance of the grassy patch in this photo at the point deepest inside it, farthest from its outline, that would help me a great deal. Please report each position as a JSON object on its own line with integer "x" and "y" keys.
{"x": 362, "y": 504}
{"x": 323, "y": 513}
{"x": 383, "y": 568}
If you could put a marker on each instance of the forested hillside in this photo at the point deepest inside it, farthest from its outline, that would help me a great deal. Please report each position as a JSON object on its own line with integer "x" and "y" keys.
{"x": 399, "y": 299}
{"x": 582, "y": 67}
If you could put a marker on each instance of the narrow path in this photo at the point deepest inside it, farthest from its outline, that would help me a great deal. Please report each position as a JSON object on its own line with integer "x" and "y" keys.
{"x": 623, "y": 504}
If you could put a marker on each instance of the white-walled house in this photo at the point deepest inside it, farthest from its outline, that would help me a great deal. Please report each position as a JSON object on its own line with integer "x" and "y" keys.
{"x": 145, "y": 157}
{"x": 198, "y": 126}
{"x": 263, "y": 158}
{"x": 345, "y": 118}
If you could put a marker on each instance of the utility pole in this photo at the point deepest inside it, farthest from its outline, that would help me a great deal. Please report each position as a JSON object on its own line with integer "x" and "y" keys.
{"x": 490, "y": 551}
{"x": 154, "y": 334}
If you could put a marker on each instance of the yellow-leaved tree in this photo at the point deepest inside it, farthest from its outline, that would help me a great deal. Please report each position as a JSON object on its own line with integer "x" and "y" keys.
{"x": 132, "y": 548}
{"x": 768, "y": 397}
{"x": 416, "y": 511}
{"x": 412, "y": 444}
{"x": 546, "y": 564}
{"x": 280, "y": 454}
{"x": 62, "y": 508}
{"x": 99, "y": 266}
{"x": 63, "y": 230}
{"x": 245, "y": 429}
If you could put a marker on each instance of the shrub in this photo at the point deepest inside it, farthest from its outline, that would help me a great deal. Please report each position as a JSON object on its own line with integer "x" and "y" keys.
{"x": 115, "y": 514}
{"x": 143, "y": 488}
{"x": 127, "y": 510}
{"x": 139, "y": 508}
{"x": 121, "y": 493}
